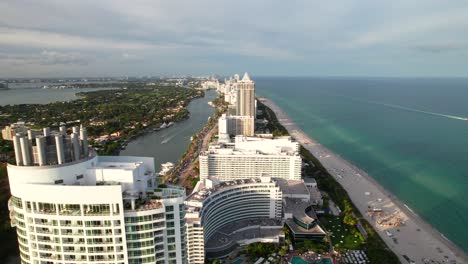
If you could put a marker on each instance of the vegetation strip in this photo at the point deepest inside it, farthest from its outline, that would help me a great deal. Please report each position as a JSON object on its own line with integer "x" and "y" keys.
{"x": 375, "y": 247}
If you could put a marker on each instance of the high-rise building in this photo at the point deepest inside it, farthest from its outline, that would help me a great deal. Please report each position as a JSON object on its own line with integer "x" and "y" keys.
{"x": 78, "y": 207}
{"x": 212, "y": 205}
{"x": 236, "y": 125}
{"x": 245, "y": 97}
{"x": 251, "y": 157}
{"x": 223, "y": 215}
{"x": 240, "y": 118}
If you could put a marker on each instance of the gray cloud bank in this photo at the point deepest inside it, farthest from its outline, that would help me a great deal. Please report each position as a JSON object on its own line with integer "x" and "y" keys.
{"x": 114, "y": 37}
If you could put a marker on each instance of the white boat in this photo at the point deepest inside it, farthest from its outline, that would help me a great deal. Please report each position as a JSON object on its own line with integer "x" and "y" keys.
{"x": 170, "y": 124}
{"x": 165, "y": 167}
{"x": 164, "y": 125}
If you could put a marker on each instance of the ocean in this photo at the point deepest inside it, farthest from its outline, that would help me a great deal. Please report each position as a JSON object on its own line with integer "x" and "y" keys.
{"x": 409, "y": 134}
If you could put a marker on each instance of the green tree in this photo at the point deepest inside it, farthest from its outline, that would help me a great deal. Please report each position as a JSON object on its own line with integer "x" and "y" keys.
{"x": 349, "y": 219}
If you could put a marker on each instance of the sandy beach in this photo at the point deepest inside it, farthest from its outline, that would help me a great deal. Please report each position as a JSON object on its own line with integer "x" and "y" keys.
{"x": 415, "y": 238}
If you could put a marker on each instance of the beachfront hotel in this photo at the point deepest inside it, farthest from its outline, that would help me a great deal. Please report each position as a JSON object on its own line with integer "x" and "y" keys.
{"x": 240, "y": 94}
{"x": 71, "y": 206}
{"x": 251, "y": 157}
{"x": 213, "y": 205}
{"x": 235, "y": 125}
{"x": 223, "y": 215}
{"x": 245, "y": 97}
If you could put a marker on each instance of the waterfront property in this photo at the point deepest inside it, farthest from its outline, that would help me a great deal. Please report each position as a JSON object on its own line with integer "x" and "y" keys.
{"x": 240, "y": 95}
{"x": 90, "y": 208}
{"x": 250, "y": 157}
{"x": 223, "y": 215}
{"x": 214, "y": 204}
{"x": 299, "y": 215}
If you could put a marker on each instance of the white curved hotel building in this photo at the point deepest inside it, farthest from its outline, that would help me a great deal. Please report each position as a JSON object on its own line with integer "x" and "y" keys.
{"x": 215, "y": 204}
{"x": 70, "y": 206}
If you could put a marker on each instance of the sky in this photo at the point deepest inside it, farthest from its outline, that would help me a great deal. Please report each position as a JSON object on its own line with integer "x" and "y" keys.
{"x": 68, "y": 38}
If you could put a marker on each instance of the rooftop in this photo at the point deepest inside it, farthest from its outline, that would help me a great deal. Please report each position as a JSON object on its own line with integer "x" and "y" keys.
{"x": 118, "y": 165}
{"x": 256, "y": 146}
{"x": 201, "y": 191}
{"x": 299, "y": 209}
{"x": 242, "y": 230}
{"x": 246, "y": 78}
{"x": 292, "y": 187}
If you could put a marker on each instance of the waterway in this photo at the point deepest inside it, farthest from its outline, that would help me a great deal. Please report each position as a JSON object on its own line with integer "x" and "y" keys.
{"x": 169, "y": 144}
{"x": 18, "y": 95}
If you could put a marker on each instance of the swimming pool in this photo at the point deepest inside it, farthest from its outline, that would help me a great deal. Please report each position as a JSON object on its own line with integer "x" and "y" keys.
{"x": 237, "y": 261}
{"x": 325, "y": 261}
{"x": 298, "y": 260}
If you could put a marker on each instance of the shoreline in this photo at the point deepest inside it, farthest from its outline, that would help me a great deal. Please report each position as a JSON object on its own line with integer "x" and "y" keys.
{"x": 417, "y": 239}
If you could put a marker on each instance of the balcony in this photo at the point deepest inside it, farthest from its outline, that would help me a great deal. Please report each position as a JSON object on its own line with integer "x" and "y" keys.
{"x": 136, "y": 204}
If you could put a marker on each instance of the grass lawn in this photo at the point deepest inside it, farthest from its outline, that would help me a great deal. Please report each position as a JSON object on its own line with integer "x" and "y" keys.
{"x": 351, "y": 238}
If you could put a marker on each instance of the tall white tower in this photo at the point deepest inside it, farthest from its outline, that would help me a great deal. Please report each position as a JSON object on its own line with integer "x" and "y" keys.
{"x": 71, "y": 206}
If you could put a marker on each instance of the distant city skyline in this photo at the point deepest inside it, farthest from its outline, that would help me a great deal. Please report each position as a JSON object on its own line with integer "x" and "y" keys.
{"x": 266, "y": 38}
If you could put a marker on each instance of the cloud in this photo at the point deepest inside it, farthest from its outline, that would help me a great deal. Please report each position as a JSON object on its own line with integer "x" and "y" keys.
{"x": 46, "y": 58}
{"x": 413, "y": 28}
{"x": 306, "y": 37}
{"x": 63, "y": 58}
{"x": 44, "y": 39}
{"x": 442, "y": 48}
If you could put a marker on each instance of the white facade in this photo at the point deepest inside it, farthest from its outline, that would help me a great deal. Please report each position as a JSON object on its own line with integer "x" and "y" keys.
{"x": 250, "y": 158}
{"x": 97, "y": 209}
{"x": 214, "y": 204}
{"x": 195, "y": 241}
{"x": 236, "y": 125}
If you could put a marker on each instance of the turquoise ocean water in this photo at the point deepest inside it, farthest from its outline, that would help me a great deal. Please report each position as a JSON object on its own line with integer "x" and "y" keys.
{"x": 408, "y": 134}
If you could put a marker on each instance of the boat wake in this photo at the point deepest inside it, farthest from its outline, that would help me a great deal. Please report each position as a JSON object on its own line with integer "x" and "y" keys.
{"x": 172, "y": 135}
{"x": 395, "y": 106}
{"x": 167, "y": 140}
{"x": 419, "y": 111}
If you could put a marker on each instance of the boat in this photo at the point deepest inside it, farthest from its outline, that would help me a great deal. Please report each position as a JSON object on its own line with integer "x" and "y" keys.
{"x": 164, "y": 125}
{"x": 165, "y": 167}
{"x": 170, "y": 124}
